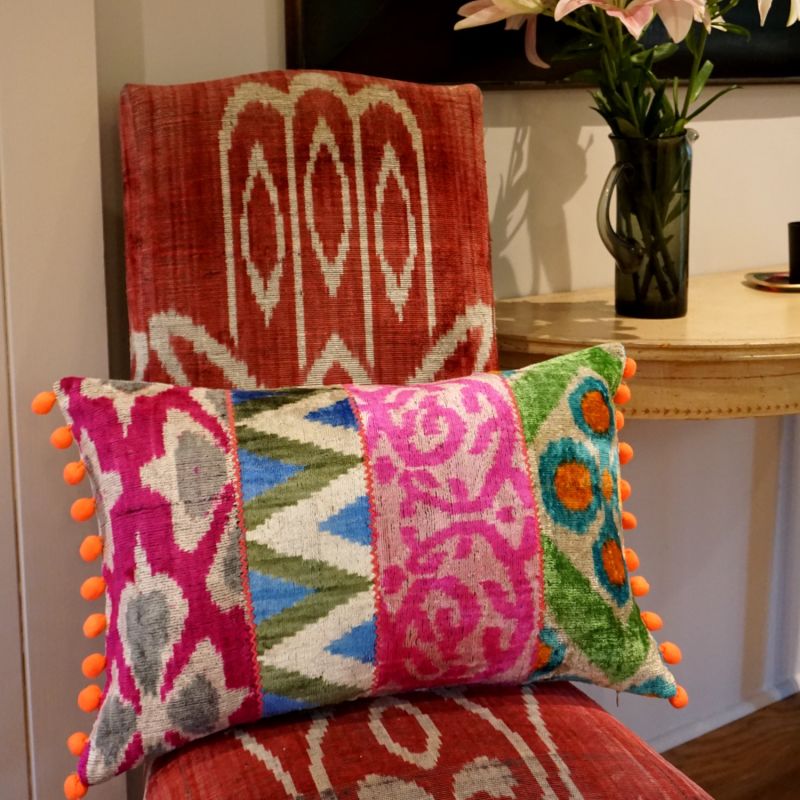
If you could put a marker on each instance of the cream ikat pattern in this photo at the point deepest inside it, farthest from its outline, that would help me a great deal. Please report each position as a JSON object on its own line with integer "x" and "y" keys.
{"x": 306, "y": 228}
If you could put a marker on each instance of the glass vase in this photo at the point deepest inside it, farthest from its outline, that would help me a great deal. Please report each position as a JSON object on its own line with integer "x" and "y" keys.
{"x": 651, "y": 179}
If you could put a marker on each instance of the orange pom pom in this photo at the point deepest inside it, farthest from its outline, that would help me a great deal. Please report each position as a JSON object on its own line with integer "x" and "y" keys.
{"x": 619, "y": 418}
{"x": 91, "y": 548}
{"x": 623, "y": 394}
{"x": 681, "y": 698}
{"x": 89, "y": 698}
{"x": 630, "y": 368}
{"x": 639, "y": 586}
{"x": 624, "y": 490}
{"x": 61, "y": 438}
{"x": 76, "y": 743}
{"x": 43, "y": 402}
{"x": 652, "y": 621}
{"x": 94, "y": 625}
{"x": 631, "y": 559}
{"x": 625, "y": 453}
{"x": 93, "y": 587}
{"x": 74, "y": 473}
{"x": 629, "y": 521}
{"x": 83, "y": 508}
{"x": 93, "y": 665}
{"x": 74, "y": 787}
{"x": 670, "y": 652}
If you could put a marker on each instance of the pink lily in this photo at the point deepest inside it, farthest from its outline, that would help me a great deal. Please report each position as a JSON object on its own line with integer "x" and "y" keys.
{"x": 636, "y": 16}
{"x": 516, "y": 13}
{"x": 677, "y": 15}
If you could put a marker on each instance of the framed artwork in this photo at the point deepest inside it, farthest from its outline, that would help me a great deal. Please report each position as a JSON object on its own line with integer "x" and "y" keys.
{"x": 414, "y": 40}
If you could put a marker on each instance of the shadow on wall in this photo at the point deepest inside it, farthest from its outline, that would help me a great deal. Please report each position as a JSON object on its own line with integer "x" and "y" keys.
{"x": 545, "y": 168}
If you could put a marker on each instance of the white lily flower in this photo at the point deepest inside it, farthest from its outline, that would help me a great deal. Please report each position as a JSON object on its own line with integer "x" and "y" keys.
{"x": 678, "y": 16}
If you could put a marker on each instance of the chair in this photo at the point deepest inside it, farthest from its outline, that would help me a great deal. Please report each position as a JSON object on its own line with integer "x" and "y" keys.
{"x": 306, "y": 227}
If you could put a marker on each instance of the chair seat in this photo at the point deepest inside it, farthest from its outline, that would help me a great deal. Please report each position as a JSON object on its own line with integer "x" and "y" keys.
{"x": 550, "y": 741}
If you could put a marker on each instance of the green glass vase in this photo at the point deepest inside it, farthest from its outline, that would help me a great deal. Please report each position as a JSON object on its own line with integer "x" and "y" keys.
{"x": 651, "y": 179}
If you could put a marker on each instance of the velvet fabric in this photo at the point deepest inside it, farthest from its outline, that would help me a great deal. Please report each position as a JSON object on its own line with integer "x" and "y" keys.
{"x": 548, "y": 741}
{"x": 295, "y": 228}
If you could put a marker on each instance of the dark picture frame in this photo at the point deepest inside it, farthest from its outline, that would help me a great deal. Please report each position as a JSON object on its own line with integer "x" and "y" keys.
{"x": 414, "y": 40}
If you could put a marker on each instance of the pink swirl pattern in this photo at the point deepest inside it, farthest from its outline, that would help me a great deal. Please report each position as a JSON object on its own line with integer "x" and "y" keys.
{"x": 456, "y": 538}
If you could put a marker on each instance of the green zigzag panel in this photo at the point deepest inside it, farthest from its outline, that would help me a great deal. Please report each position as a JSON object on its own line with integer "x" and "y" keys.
{"x": 308, "y": 541}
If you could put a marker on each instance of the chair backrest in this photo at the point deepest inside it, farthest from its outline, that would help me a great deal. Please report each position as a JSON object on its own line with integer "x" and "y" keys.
{"x": 306, "y": 228}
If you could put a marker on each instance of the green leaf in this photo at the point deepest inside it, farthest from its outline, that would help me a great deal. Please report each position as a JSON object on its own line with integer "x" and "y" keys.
{"x": 664, "y": 51}
{"x": 655, "y": 111}
{"x": 703, "y": 74}
{"x": 737, "y": 30}
{"x": 627, "y": 129}
{"x": 694, "y": 41}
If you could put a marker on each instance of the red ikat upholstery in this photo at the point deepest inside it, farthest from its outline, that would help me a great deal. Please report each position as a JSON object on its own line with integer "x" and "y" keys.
{"x": 550, "y": 741}
{"x": 303, "y": 228}
{"x": 292, "y": 227}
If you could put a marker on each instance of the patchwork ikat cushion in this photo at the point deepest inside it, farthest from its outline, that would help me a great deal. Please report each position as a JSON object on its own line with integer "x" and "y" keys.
{"x": 273, "y": 550}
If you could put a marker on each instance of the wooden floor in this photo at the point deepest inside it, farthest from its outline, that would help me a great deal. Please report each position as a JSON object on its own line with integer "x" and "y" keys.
{"x": 754, "y": 758}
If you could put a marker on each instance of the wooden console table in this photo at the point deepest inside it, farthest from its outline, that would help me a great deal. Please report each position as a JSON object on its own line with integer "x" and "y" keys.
{"x": 736, "y": 353}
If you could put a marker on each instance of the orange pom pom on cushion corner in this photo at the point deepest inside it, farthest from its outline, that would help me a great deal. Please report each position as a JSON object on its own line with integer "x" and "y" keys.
{"x": 681, "y": 698}
{"x": 89, "y": 698}
{"x": 625, "y": 453}
{"x": 630, "y": 368}
{"x": 639, "y": 586}
{"x": 629, "y": 521}
{"x": 623, "y": 394}
{"x": 76, "y": 743}
{"x": 61, "y": 438}
{"x": 93, "y": 587}
{"x": 74, "y": 472}
{"x": 83, "y": 509}
{"x": 93, "y": 665}
{"x": 670, "y": 652}
{"x": 652, "y": 621}
{"x": 94, "y": 625}
{"x": 74, "y": 787}
{"x": 91, "y": 547}
{"x": 43, "y": 402}
{"x": 631, "y": 559}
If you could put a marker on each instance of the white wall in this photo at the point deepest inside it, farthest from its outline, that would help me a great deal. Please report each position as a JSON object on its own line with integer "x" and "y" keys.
{"x": 719, "y": 537}
{"x": 548, "y": 155}
{"x": 54, "y": 324}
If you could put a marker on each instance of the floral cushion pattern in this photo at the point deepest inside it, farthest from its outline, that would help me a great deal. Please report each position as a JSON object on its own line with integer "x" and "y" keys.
{"x": 274, "y": 550}
{"x": 311, "y": 228}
